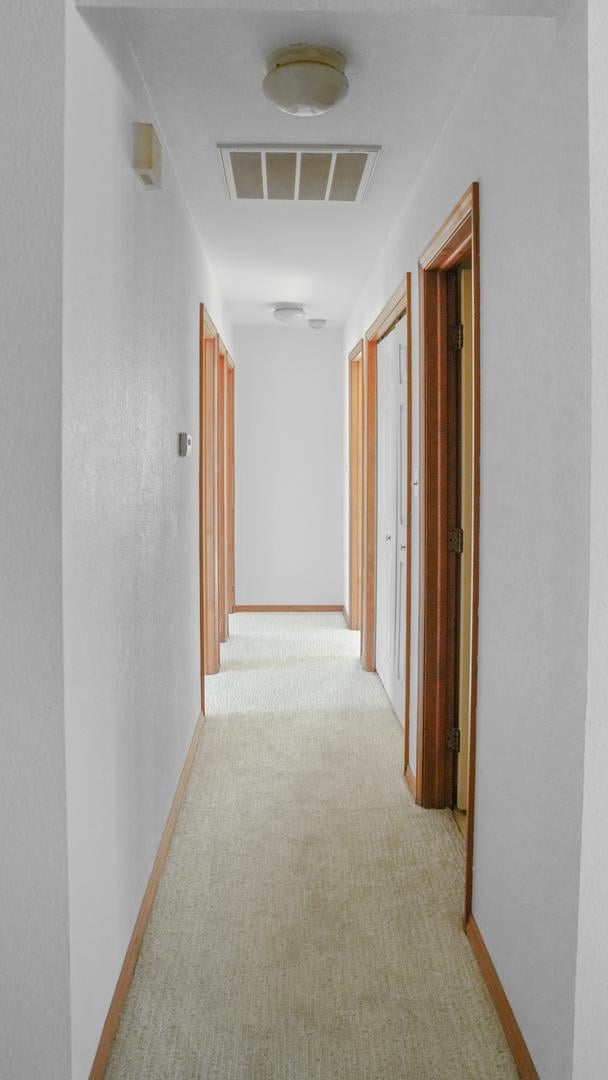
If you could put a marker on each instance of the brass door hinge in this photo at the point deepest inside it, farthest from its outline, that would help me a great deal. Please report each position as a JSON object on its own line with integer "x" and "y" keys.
{"x": 452, "y": 739}
{"x": 456, "y": 540}
{"x": 455, "y": 337}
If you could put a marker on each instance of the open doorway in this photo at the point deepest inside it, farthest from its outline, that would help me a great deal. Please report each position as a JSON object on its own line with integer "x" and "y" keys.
{"x": 449, "y": 495}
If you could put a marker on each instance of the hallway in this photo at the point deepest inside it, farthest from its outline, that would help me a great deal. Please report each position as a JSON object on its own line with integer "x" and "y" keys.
{"x": 308, "y": 923}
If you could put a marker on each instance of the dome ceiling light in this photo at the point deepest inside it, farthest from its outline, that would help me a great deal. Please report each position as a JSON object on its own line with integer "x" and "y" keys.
{"x": 286, "y": 313}
{"x": 305, "y": 80}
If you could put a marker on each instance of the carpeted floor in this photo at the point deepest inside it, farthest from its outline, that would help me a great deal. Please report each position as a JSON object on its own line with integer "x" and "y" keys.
{"x": 308, "y": 923}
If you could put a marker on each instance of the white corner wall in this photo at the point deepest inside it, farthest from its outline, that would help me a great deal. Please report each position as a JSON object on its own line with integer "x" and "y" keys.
{"x": 134, "y": 277}
{"x": 591, "y": 1036}
{"x": 34, "y": 968}
{"x": 520, "y": 129}
{"x": 289, "y": 483}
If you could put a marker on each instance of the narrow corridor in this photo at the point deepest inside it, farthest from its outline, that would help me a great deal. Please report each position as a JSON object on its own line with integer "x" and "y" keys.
{"x": 308, "y": 923}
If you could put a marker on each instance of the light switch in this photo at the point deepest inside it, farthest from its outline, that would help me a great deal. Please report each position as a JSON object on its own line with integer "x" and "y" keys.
{"x": 185, "y": 444}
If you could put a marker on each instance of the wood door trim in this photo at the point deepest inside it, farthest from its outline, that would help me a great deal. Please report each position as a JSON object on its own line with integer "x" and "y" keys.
{"x": 222, "y": 530}
{"x": 391, "y": 312}
{"x": 453, "y": 235}
{"x": 213, "y": 532}
{"x": 210, "y": 504}
{"x": 410, "y": 780}
{"x": 208, "y": 325}
{"x": 230, "y": 491}
{"x": 356, "y": 353}
{"x": 202, "y": 562}
{"x": 355, "y": 494}
{"x": 512, "y": 1030}
{"x": 408, "y": 538}
{"x": 368, "y": 544}
{"x": 110, "y": 1027}
{"x": 289, "y": 607}
{"x": 456, "y": 238}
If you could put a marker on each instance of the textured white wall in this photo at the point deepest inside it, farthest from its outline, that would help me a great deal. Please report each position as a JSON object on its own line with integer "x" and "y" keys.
{"x": 34, "y": 980}
{"x": 591, "y": 1033}
{"x": 289, "y": 438}
{"x": 134, "y": 276}
{"x": 520, "y": 129}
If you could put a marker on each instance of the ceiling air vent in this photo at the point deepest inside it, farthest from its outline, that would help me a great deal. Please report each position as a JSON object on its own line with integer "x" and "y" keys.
{"x": 298, "y": 173}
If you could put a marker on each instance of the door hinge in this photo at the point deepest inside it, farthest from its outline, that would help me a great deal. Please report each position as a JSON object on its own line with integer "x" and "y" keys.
{"x": 452, "y": 739}
{"x": 456, "y": 540}
{"x": 455, "y": 337}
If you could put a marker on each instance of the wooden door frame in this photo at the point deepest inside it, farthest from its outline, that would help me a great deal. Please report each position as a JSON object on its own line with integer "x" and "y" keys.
{"x": 355, "y": 474}
{"x": 216, "y": 494}
{"x": 222, "y": 614}
{"x": 398, "y": 306}
{"x": 208, "y": 549}
{"x": 456, "y": 240}
{"x": 230, "y": 491}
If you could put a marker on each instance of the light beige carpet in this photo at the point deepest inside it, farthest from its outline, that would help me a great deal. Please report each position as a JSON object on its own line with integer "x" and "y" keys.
{"x": 308, "y": 923}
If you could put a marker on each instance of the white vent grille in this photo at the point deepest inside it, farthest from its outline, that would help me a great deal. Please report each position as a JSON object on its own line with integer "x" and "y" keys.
{"x": 298, "y": 173}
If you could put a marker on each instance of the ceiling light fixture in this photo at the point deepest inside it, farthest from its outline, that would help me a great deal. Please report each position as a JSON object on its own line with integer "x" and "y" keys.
{"x": 305, "y": 80}
{"x": 288, "y": 312}
{"x": 317, "y": 324}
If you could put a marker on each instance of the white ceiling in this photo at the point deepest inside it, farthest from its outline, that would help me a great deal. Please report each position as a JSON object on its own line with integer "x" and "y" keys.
{"x": 204, "y": 71}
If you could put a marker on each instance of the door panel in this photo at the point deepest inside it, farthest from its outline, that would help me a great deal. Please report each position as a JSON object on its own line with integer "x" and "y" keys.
{"x": 402, "y": 499}
{"x": 392, "y": 515}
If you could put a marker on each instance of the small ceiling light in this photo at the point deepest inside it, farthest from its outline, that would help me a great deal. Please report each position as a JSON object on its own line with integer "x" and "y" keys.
{"x": 305, "y": 80}
{"x": 288, "y": 312}
{"x": 317, "y": 324}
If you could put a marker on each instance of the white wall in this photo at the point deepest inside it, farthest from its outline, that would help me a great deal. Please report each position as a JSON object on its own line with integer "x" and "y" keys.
{"x": 520, "y": 129}
{"x": 34, "y": 979}
{"x": 134, "y": 276}
{"x": 591, "y": 1035}
{"x": 289, "y": 437}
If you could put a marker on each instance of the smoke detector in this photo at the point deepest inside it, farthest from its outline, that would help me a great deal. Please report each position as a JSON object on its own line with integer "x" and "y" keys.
{"x": 286, "y": 313}
{"x": 305, "y": 80}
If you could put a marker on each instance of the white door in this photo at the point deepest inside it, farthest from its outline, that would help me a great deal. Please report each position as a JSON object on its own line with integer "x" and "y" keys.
{"x": 392, "y": 515}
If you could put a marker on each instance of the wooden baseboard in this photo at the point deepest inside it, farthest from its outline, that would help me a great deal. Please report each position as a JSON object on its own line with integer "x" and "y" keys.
{"x": 410, "y": 780}
{"x": 110, "y": 1027}
{"x": 511, "y": 1028}
{"x": 289, "y": 607}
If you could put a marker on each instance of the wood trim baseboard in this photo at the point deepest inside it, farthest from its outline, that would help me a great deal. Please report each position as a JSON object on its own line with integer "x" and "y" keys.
{"x": 100, "y": 1064}
{"x": 289, "y": 607}
{"x": 410, "y": 780}
{"x": 505, "y": 1013}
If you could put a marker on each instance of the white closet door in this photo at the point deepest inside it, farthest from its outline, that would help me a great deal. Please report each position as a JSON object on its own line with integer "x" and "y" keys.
{"x": 392, "y": 506}
{"x": 398, "y": 696}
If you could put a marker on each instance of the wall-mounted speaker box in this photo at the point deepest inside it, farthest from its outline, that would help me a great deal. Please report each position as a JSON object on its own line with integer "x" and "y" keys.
{"x": 147, "y": 155}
